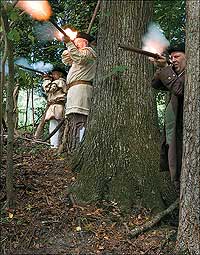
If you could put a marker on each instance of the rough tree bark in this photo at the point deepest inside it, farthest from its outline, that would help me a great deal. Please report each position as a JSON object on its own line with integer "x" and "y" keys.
{"x": 9, "y": 110}
{"x": 189, "y": 228}
{"x": 119, "y": 157}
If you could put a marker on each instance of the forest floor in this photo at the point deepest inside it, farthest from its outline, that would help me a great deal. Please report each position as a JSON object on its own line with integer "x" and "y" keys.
{"x": 45, "y": 220}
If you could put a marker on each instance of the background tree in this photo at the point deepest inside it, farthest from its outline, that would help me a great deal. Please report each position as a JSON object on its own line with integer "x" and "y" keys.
{"x": 9, "y": 108}
{"x": 120, "y": 155}
{"x": 189, "y": 228}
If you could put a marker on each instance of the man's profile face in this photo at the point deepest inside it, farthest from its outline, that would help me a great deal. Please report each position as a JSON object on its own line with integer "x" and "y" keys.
{"x": 179, "y": 61}
{"x": 80, "y": 43}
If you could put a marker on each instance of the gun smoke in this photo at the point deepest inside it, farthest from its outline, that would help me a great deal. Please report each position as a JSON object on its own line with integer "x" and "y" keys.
{"x": 154, "y": 40}
{"x": 40, "y": 66}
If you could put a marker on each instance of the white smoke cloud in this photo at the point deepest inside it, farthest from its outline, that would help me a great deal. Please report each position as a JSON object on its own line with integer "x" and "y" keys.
{"x": 23, "y": 62}
{"x": 40, "y": 66}
{"x": 154, "y": 40}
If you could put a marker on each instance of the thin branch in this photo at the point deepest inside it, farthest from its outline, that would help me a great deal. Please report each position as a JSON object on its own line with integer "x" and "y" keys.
{"x": 94, "y": 16}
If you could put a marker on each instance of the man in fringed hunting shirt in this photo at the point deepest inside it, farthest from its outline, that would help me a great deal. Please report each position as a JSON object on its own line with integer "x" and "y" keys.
{"x": 82, "y": 59}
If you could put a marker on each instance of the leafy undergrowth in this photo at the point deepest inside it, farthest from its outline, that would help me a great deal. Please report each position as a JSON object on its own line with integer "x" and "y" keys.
{"x": 46, "y": 220}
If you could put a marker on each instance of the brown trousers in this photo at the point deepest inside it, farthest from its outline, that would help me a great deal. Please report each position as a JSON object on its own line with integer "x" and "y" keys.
{"x": 71, "y": 137}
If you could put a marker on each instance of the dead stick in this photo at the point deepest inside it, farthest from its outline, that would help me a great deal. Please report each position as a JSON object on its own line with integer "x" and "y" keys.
{"x": 94, "y": 16}
{"x": 138, "y": 230}
{"x": 41, "y": 125}
{"x": 55, "y": 130}
{"x": 33, "y": 233}
{"x": 33, "y": 141}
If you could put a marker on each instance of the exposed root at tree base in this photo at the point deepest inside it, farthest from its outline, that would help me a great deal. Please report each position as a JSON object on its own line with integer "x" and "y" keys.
{"x": 141, "y": 229}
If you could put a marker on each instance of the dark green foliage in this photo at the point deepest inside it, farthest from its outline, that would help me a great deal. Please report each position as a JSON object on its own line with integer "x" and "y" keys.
{"x": 75, "y": 13}
{"x": 171, "y": 17}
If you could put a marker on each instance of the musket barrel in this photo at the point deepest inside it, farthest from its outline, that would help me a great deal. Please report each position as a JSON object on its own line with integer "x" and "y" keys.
{"x": 140, "y": 51}
{"x": 58, "y": 27}
{"x": 30, "y": 69}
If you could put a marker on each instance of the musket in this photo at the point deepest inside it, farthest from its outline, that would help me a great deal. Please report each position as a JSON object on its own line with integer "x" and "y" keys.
{"x": 30, "y": 69}
{"x": 58, "y": 27}
{"x": 140, "y": 51}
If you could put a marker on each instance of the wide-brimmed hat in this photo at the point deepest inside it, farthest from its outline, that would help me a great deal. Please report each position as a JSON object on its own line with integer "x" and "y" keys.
{"x": 177, "y": 47}
{"x": 59, "y": 69}
{"x": 86, "y": 36}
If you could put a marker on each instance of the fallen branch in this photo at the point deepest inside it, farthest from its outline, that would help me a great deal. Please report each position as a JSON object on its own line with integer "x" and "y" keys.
{"x": 141, "y": 229}
{"x": 33, "y": 141}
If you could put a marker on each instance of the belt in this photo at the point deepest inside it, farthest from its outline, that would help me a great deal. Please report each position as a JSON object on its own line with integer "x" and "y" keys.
{"x": 60, "y": 101}
{"x": 79, "y": 82}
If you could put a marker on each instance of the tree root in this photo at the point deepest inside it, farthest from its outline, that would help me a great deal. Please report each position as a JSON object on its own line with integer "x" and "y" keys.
{"x": 141, "y": 229}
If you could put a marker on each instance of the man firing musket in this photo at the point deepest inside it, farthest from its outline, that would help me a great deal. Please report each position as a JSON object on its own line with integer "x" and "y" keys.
{"x": 54, "y": 85}
{"x": 170, "y": 76}
{"x": 82, "y": 60}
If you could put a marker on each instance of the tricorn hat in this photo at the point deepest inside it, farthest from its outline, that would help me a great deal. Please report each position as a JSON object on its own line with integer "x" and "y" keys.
{"x": 176, "y": 47}
{"x": 60, "y": 69}
{"x": 86, "y": 36}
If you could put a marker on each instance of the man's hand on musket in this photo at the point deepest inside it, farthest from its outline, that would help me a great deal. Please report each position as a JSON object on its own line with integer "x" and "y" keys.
{"x": 159, "y": 62}
{"x": 62, "y": 37}
{"x": 47, "y": 76}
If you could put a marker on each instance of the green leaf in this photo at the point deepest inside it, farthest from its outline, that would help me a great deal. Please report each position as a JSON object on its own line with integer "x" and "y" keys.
{"x": 14, "y": 35}
{"x": 14, "y": 16}
{"x": 107, "y": 14}
{"x": 120, "y": 69}
{"x": 31, "y": 37}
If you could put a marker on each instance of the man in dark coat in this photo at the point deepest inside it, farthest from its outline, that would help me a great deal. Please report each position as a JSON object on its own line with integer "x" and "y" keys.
{"x": 171, "y": 77}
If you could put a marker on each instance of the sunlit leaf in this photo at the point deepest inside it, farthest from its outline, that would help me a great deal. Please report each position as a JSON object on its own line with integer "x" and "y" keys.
{"x": 78, "y": 228}
{"x": 31, "y": 37}
{"x": 10, "y": 215}
{"x": 14, "y": 35}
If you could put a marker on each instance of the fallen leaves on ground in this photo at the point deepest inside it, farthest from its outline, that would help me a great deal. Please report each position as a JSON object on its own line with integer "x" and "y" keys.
{"x": 46, "y": 221}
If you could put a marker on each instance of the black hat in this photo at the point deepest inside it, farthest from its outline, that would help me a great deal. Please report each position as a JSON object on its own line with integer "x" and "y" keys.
{"x": 60, "y": 69}
{"x": 177, "y": 47}
{"x": 86, "y": 36}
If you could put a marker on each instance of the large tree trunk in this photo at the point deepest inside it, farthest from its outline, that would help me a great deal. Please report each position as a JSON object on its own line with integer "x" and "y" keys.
{"x": 9, "y": 110}
{"x": 189, "y": 228}
{"x": 119, "y": 158}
